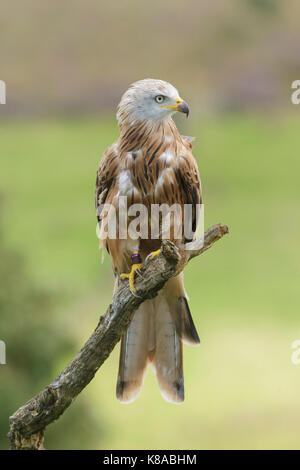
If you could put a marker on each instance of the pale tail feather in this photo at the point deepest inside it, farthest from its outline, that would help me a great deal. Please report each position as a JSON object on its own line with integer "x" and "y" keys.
{"x": 155, "y": 335}
{"x": 134, "y": 354}
{"x": 168, "y": 355}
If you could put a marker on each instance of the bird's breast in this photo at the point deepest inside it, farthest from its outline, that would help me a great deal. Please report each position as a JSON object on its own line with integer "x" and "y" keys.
{"x": 154, "y": 183}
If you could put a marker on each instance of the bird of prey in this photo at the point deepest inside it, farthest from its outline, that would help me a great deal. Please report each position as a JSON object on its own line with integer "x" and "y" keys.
{"x": 150, "y": 163}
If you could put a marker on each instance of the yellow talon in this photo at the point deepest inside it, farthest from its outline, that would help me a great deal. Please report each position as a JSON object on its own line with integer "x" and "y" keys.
{"x": 130, "y": 276}
{"x": 153, "y": 254}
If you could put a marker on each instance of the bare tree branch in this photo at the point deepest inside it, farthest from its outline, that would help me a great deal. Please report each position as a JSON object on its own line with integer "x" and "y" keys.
{"x": 28, "y": 423}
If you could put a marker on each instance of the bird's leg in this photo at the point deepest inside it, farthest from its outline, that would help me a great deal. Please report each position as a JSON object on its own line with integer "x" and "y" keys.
{"x": 135, "y": 268}
{"x": 152, "y": 255}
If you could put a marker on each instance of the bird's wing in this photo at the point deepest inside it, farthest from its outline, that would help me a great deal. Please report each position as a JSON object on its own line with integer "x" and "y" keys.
{"x": 105, "y": 180}
{"x": 188, "y": 139}
{"x": 190, "y": 180}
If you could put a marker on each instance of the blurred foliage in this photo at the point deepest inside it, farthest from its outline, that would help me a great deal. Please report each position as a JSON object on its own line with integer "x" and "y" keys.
{"x": 34, "y": 340}
{"x": 74, "y": 57}
{"x": 264, "y": 6}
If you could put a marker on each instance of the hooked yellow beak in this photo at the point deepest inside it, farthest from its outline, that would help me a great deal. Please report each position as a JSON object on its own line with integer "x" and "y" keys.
{"x": 180, "y": 106}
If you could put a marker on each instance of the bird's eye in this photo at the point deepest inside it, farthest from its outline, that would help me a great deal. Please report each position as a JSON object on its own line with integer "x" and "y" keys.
{"x": 159, "y": 99}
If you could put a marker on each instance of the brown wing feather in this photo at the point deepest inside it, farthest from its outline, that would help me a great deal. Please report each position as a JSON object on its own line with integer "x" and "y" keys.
{"x": 106, "y": 173}
{"x": 190, "y": 180}
{"x": 106, "y": 184}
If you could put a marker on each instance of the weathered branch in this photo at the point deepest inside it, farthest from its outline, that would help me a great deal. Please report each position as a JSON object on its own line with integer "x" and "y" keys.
{"x": 28, "y": 423}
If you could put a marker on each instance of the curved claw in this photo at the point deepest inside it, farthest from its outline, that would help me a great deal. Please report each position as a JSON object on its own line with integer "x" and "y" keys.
{"x": 152, "y": 255}
{"x": 139, "y": 272}
{"x": 135, "y": 295}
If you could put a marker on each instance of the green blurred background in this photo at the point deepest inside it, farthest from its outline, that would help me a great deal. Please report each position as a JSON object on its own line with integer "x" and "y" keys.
{"x": 65, "y": 64}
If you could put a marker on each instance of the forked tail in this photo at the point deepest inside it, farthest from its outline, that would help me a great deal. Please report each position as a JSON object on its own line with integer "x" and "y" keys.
{"x": 155, "y": 335}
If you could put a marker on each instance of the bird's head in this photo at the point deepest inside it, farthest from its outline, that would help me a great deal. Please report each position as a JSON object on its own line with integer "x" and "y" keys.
{"x": 150, "y": 100}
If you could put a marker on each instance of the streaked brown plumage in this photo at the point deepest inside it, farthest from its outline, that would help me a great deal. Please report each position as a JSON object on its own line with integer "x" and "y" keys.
{"x": 151, "y": 163}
